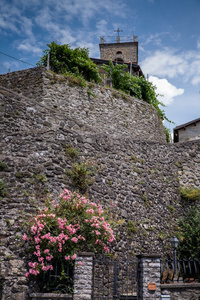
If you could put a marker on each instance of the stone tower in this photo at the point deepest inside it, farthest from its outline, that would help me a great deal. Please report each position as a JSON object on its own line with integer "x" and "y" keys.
{"x": 122, "y": 52}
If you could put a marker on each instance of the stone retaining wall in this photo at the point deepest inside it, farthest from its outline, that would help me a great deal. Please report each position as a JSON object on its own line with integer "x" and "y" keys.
{"x": 137, "y": 178}
{"x": 91, "y": 109}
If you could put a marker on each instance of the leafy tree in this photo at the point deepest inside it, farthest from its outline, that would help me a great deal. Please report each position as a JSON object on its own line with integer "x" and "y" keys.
{"x": 137, "y": 87}
{"x": 63, "y": 59}
{"x": 168, "y": 133}
{"x": 189, "y": 234}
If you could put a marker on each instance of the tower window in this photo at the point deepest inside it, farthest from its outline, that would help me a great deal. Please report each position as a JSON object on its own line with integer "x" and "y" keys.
{"x": 119, "y": 52}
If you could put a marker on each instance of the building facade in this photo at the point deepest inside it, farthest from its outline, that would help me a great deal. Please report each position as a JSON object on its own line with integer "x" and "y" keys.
{"x": 119, "y": 52}
{"x": 122, "y": 52}
{"x": 187, "y": 132}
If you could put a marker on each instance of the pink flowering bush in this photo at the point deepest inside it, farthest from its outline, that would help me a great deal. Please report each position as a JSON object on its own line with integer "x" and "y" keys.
{"x": 62, "y": 229}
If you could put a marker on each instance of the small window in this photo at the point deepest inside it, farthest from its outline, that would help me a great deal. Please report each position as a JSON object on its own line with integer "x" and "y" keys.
{"x": 119, "y": 52}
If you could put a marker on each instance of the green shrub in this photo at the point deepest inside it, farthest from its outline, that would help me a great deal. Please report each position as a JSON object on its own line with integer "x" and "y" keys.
{"x": 188, "y": 232}
{"x": 75, "y": 61}
{"x": 137, "y": 87}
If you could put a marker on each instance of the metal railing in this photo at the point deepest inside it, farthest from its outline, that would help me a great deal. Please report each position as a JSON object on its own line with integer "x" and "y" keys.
{"x": 182, "y": 270}
{"x": 114, "y": 279}
{"x": 60, "y": 279}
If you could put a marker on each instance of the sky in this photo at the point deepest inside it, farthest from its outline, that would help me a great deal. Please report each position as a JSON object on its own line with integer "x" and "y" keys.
{"x": 168, "y": 32}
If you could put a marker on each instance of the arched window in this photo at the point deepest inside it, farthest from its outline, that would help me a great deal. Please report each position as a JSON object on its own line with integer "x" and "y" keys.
{"x": 119, "y": 52}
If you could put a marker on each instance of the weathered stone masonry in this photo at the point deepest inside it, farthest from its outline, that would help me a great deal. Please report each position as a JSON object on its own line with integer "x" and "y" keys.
{"x": 136, "y": 169}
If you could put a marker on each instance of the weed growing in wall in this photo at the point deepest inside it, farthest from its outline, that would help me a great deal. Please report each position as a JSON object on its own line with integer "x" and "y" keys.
{"x": 91, "y": 94}
{"x": 73, "y": 152}
{"x": 131, "y": 227}
{"x": 3, "y": 166}
{"x": 134, "y": 158}
{"x": 3, "y": 191}
{"x": 171, "y": 209}
{"x": 82, "y": 174}
{"x": 190, "y": 193}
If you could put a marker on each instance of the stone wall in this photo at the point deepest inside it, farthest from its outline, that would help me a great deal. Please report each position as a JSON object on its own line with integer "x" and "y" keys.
{"x": 26, "y": 82}
{"x": 93, "y": 109}
{"x": 137, "y": 174}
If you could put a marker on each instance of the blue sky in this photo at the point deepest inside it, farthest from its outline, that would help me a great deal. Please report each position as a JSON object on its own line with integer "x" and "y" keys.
{"x": 168, "y": 34}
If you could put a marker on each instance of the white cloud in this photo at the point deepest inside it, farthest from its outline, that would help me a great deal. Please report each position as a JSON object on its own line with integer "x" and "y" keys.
{"x": 26, "y": 46}
{"x": 164, "y": 63}
{"x": 171, "y": 64}
{"x": 195, "y": 66}
{"x": 166, "y": 89}
{"x": 47, "y": 19}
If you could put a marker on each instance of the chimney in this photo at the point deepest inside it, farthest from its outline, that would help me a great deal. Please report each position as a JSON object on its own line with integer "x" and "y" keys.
{"x": 101, "y": 40}
{"x": 135, "y": 38}
{"x": 118, "y": 39}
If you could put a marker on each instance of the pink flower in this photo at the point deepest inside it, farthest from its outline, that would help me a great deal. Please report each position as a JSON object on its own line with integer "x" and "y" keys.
{"x": 46, "y": 251}
{"x": 34, "y": 229}
{"x": 34, "y": 272}
{"x": 74, "y": 239}
{"x": 40, "y": 259}
{"x": 97, "y": 232}
{"x": 37, "y": 239}
{"x": 111, "y": 239}
{"x": 91, "y": 211}
{"x": 80, "y": 263}
{"x": 37, "y": 253}
{"x": 25, "y": 238}
{"x": 49, "y": 257}
{"x": 106, "y": 249}
{"x": 27, "y": 274}
{"x": 33, "y": 265}
{"x": 73, "y": 256}
{"x": 67, "y": 257}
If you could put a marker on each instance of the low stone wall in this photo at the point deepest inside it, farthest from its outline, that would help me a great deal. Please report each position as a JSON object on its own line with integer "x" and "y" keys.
{"x": 50, "y": 296}
{"x": 184, "y": 291}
